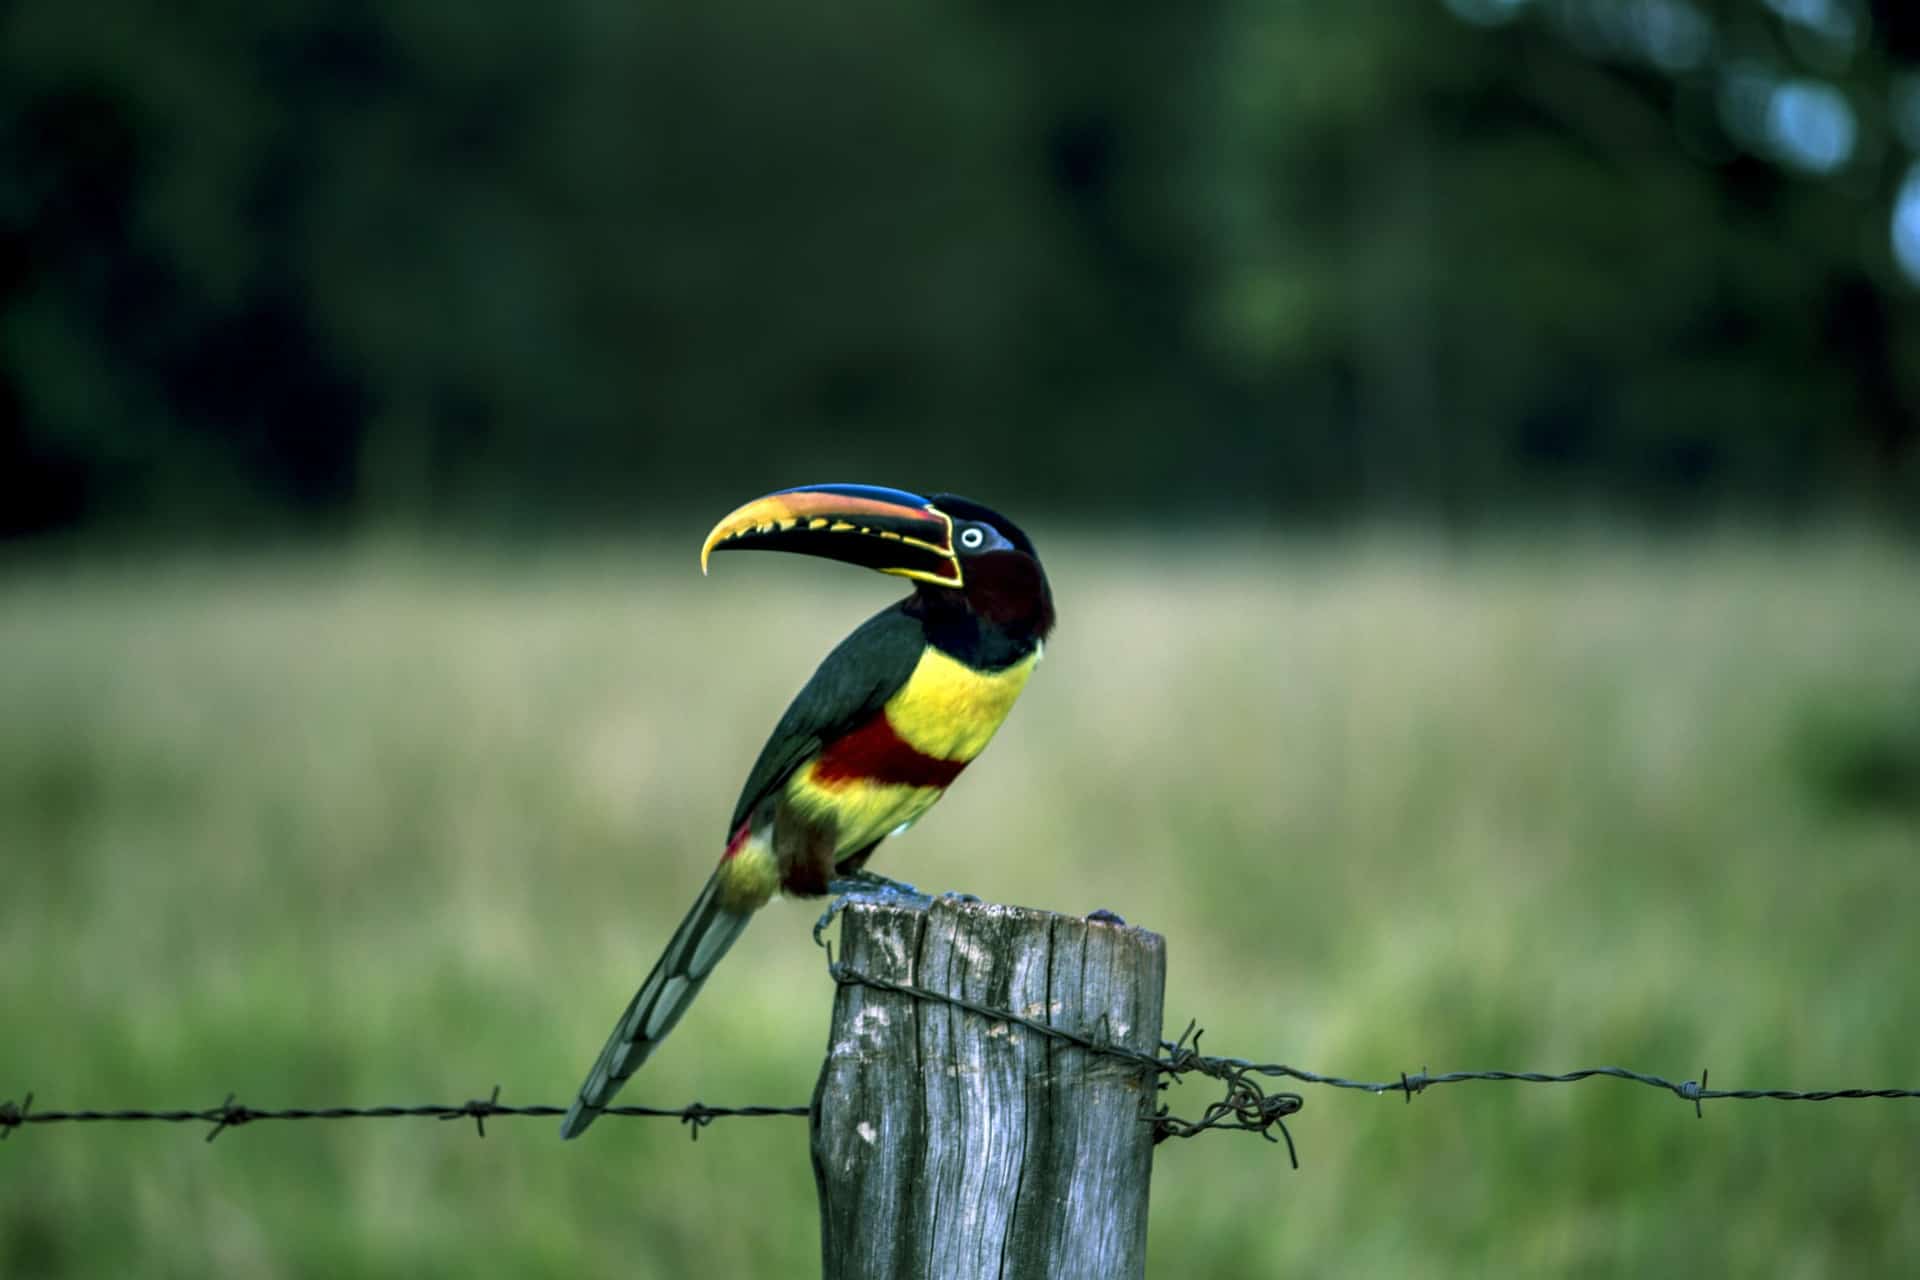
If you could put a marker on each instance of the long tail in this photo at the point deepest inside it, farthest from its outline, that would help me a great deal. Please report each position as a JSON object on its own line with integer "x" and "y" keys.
{"x": 703, "y": 937}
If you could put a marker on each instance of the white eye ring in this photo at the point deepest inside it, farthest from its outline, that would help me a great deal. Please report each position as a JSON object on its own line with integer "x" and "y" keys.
{"x": 972, "y": 538}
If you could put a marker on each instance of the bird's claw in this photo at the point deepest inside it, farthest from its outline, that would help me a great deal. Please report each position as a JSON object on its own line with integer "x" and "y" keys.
{"x": 825, "y": 921}
{"x": 1104, "y": 916}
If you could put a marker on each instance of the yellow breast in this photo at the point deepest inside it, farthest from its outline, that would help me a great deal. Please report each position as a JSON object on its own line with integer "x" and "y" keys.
{"x": 949, "y": 710}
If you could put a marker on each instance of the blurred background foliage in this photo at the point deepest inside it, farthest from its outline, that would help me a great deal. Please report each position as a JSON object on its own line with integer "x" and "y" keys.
{"x": 1476, "y": 444}
{"x": 337, "y": 264}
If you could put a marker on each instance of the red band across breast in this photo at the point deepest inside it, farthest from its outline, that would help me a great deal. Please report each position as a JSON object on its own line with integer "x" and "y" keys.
{"x": 875, "y": 753}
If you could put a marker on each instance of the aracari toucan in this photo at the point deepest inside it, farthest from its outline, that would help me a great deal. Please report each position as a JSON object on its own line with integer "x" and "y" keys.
{"x": 891, "y": 717}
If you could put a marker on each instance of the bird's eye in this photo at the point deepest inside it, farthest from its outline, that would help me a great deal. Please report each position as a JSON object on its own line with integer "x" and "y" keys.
{"x": 972, "y": 539}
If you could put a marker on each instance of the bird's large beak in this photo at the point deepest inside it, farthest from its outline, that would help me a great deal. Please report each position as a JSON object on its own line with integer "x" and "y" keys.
{"x": 886, "y": 529}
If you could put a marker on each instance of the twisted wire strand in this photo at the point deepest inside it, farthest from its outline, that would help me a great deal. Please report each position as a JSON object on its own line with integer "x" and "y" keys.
{"x": 1245, "y": 1105}
{"x": 231, "y": 1114}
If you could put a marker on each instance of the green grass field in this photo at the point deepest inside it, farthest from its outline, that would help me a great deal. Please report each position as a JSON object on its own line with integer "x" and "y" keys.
{"x": 393, "y": 826}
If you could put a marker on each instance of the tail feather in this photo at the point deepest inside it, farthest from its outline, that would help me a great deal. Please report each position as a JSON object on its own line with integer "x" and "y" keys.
{"x": 702, "y": 938}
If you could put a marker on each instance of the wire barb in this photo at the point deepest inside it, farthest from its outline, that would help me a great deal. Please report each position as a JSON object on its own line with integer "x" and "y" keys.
{"x": 696, "y": 1118}
{"x": 479, "y": 1109}
{"x": 1694, "y": 1091}
{"x": 228, "y": 1115}
{"x": 12, "y": 1117}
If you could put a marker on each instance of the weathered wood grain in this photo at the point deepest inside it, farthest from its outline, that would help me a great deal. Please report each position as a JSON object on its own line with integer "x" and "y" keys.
{"x": 949, "y": 1145}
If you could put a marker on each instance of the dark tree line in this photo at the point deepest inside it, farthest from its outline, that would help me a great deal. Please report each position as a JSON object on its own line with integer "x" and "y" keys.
{"x": 334, "y": 263}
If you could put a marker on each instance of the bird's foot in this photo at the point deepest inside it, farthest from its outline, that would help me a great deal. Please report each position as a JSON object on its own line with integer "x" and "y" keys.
{"x": 867, "y": 886}
{"x": 954, "y": 895}
{"x": 872, "y": 881}
{"x": 1104, "y": 916}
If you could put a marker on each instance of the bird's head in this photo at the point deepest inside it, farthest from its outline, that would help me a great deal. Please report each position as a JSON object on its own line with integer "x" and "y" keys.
{"x": 952, "y": 547}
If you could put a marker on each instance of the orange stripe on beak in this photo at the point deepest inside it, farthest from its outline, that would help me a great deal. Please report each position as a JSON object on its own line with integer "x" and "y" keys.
{"x": 886, "y": 529}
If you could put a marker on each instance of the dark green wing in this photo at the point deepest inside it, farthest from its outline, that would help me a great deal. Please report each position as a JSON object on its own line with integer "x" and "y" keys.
{"x": 852, "y": 684}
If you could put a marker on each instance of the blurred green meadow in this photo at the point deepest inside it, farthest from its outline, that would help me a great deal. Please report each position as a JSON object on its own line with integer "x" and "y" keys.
{"x": 393, "y": 824}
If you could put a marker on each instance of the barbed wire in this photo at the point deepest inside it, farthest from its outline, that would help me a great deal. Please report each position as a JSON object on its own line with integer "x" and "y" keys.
{"x": 1245, "y": 1104}
{"x": 231, "y": 1114}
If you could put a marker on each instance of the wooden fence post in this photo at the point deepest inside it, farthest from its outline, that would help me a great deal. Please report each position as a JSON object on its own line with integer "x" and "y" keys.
{"x": 950, "y": 1145}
